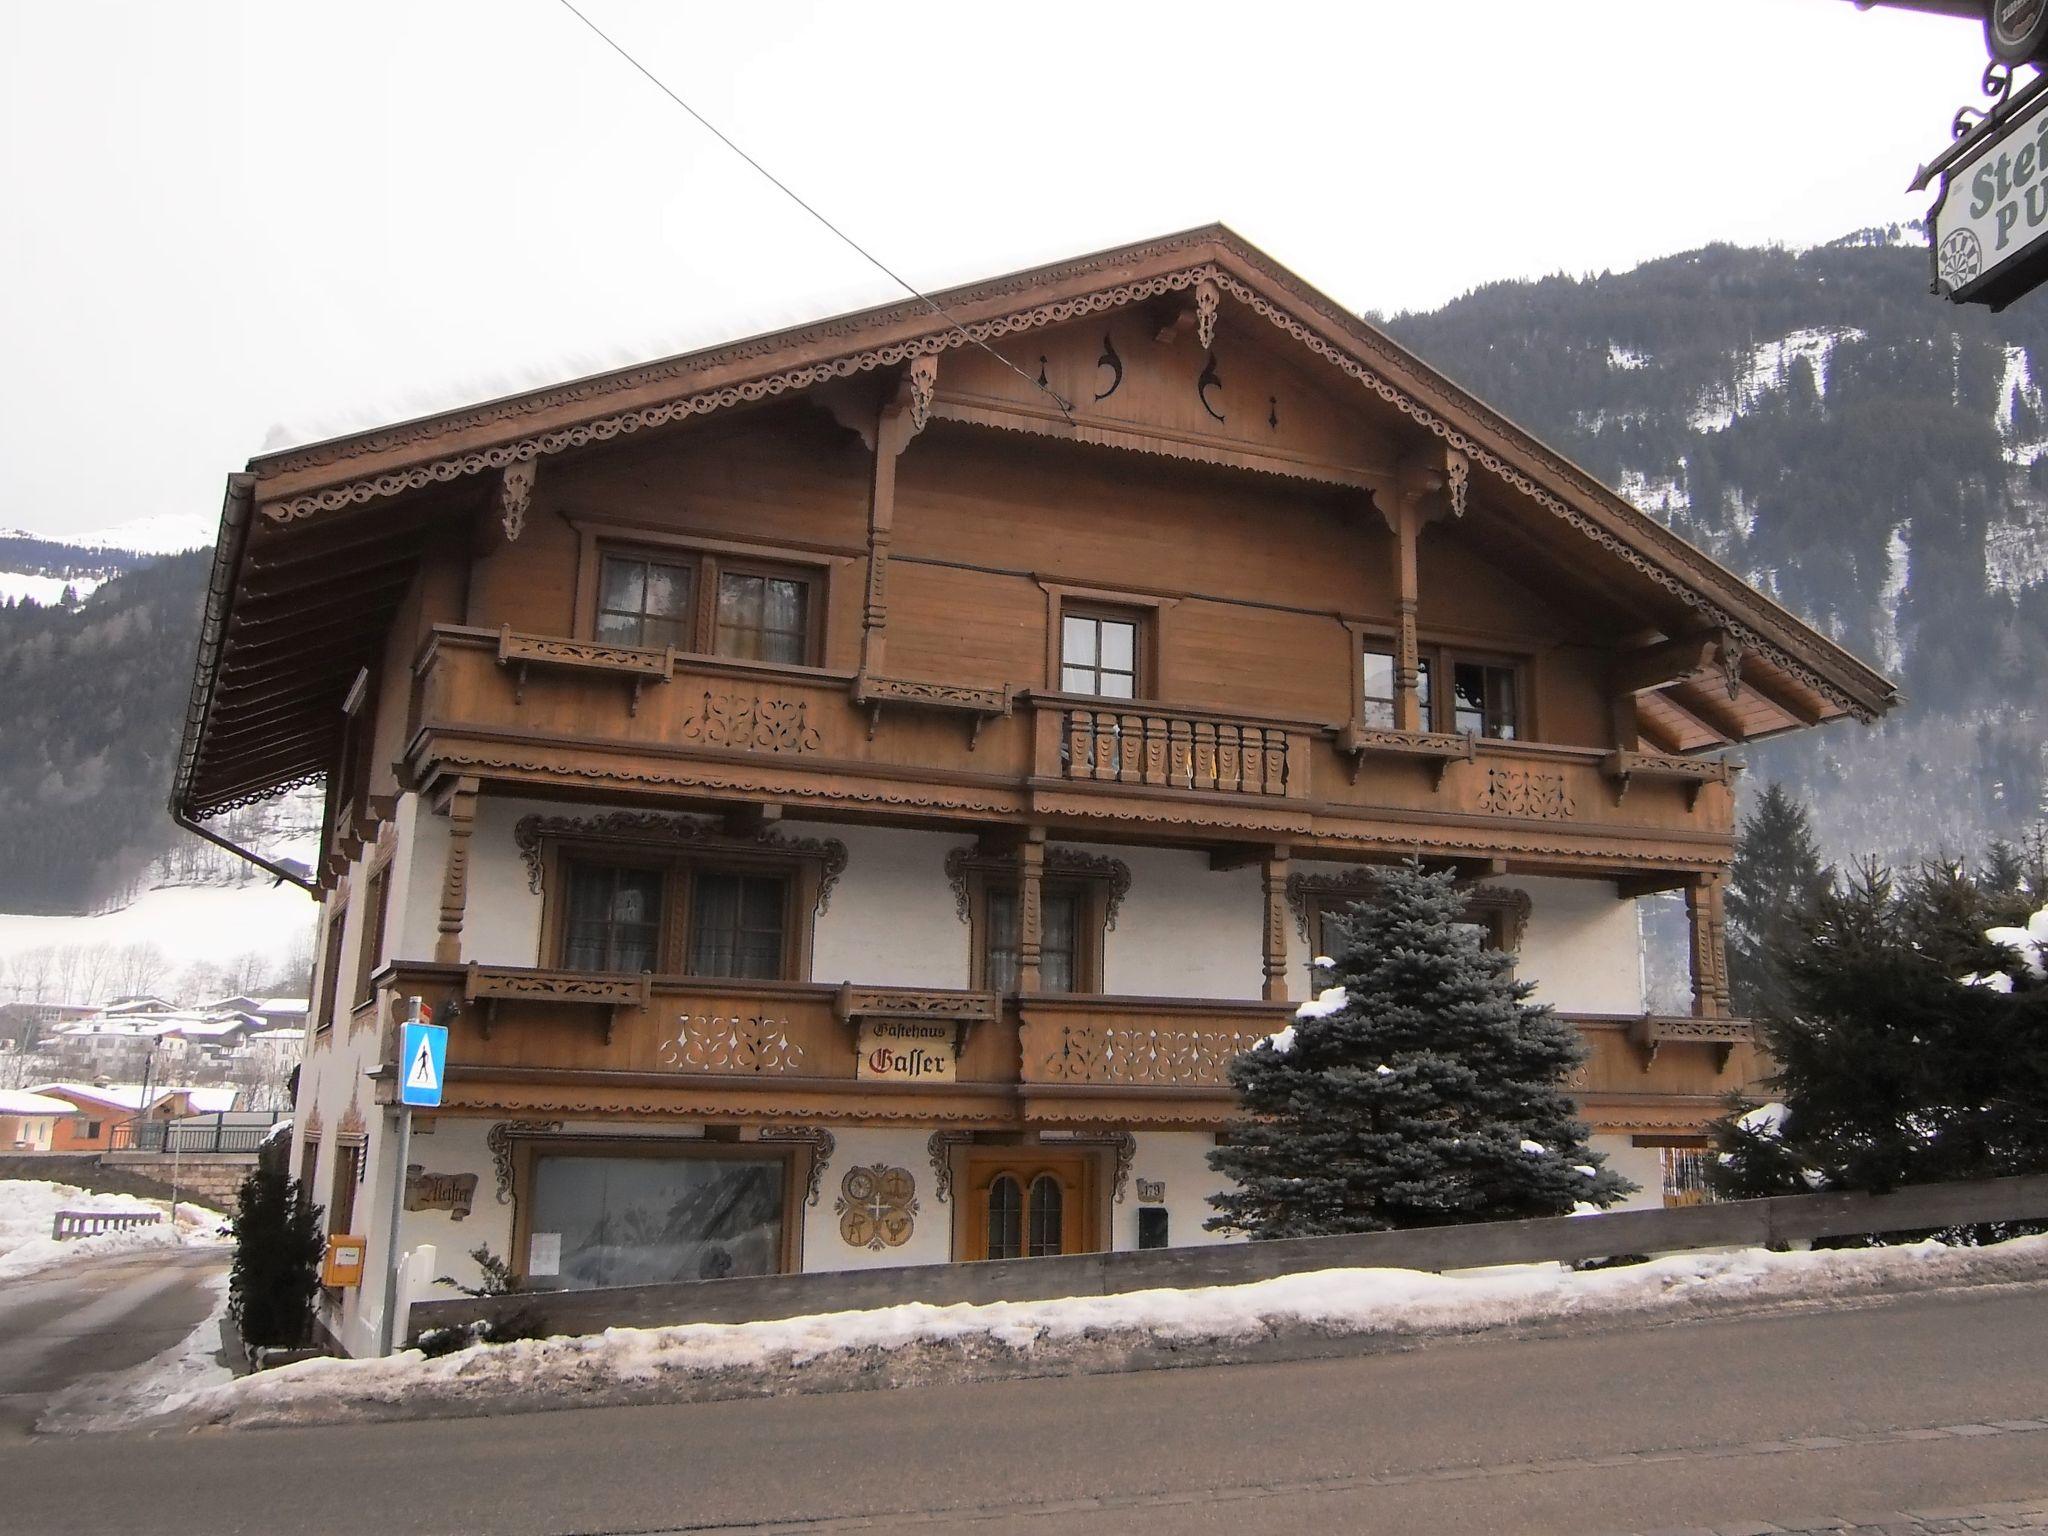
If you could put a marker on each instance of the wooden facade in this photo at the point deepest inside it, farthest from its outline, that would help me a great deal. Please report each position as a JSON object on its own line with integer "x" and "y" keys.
{"x": 1215, "y": 570}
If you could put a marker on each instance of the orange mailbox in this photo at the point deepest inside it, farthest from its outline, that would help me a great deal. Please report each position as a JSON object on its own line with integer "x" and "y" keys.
{"x": 344, "y": 1265}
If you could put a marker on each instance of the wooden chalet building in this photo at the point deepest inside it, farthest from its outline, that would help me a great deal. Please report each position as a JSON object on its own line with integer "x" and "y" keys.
{"x": 851, "y": 796}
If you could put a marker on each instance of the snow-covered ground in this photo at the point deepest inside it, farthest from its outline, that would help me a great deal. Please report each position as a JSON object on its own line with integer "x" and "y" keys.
{"x": 917, "y": 1341}
{"x": 27, "y": 1207}
{"x": 46, "y": 590}
{"x": 118, "y": 1398}
{"x": 189, "y": 923}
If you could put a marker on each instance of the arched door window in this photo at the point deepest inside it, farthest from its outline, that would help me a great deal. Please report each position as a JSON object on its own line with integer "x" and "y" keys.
{"x": 1006, "y": 1218}
{"x": 1047, "y": 1223}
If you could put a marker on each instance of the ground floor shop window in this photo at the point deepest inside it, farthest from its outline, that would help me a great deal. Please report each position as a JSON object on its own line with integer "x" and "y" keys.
{"x": 628, "y": 1217}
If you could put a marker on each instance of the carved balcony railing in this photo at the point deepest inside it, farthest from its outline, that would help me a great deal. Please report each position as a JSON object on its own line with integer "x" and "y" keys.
{"x": 1150, "y": 747}
{"x": 1140, "y": 1042}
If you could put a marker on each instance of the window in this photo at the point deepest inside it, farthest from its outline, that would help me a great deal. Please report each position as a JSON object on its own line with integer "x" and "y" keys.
{"x": 643, "y": 601}
{"x": 330, "y": 967}
{"x": 309, "y": 1165}
{"x": 1061, "y": 914}
{"x": 763, "y": 617}
{"x": 686, "y": 914}
{"x": 1483, "y": 699}
{"x": 737, "y": 924}
{"x": 647, "y": 1216}
{"x": 371, "y": 950}
{"x": 1497, "y": 913}
{"x": 701, "y": 601}
{"x": 1484, "y": 696}
{"x": 92, "y": 1130}
{"x": 1099, "y": 652}
{"x": 1377, "y": 706}
{"x": 348, "y": 1173}
{"x": 614, "y": 918}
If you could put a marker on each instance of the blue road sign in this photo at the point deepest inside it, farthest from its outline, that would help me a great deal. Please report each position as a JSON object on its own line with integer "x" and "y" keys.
{"x": 423, "y": 1059}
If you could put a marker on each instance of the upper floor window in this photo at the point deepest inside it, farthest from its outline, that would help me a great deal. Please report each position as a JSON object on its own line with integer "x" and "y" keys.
{"x": 1484, "y": 699}
{"x": 646, "y": 602}
{"x": 1100, "y": 650}
{"x": 708, "y": 602}
{"x": 1062, "y": 909}
{"x": 737, "y": 924}
{"x": 1484, "y": 696}
{"x": 763, "y": 616}
{"x": 614, "y": 918}
{"x": 1377, "y": 706}
{"x": 686, "y": 915}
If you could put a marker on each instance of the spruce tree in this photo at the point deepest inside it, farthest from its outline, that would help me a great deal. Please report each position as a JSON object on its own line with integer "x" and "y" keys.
{"x": 1776, "y": 873}
{"x": 276, "y": 1269}
{"x": 1421, "y": 1089}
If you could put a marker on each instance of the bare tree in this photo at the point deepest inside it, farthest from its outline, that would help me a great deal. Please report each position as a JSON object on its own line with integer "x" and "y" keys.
{"x": 35, "y": 972}
{"x": 139, "y": 969}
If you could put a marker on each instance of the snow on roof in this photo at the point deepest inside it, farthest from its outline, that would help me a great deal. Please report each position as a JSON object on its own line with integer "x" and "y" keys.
{"x": 210, "y": 1101}
{"x": 120, "y": 1095}
{"x": 282, "y": 1005}
{"x": 12, "y": 1103}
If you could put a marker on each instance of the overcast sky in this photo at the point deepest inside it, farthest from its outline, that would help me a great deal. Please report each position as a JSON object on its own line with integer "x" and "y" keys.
{"x": 217, "y": 218}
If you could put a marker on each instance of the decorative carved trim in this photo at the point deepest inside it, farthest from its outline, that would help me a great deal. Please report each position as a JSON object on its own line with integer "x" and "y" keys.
{"x": 893, "y": 690}
{"x": 923, "y": 379}
{"x": 1457, "y": 480}
{"x": 314, "y": 1125}
{"x": 584, "y": 655}
{"x": 1695, "y": 773}
{"x": 515, "y": 493}
{"x": 1141, "y": 1055}
{"x": 751, "y": 723}
{"x": 923, "y": 798}
{"x": 705, "y": 1042}
{"x": 1118, "y": 296}
{"x": 1357, "y": 885}
{"x": 642, "y": 828}
{"x": 526, "y": 984}
{"x": 1207, "y": 302}
{"x": 877, "y": 1207}
{"x": 1531, "y": 793}
{"x": 1124, "y": 1143}
{"x": 352, "y": 1127}
{"x": 910, "y": 1003}
{"x": 1060, "y": 862}
{"x": 821, "y": 1142}
{"x": 938, "y": 1148}
{"x": 499, "y": 1138}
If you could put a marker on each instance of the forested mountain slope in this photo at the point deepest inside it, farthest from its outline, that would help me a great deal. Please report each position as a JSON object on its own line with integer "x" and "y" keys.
{"x": 1873, "y": 457}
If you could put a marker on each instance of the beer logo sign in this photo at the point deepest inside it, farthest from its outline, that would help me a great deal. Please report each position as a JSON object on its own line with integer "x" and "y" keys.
{"x": 877, "y": 1207}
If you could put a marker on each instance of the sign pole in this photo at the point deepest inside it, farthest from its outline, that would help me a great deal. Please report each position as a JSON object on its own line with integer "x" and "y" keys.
{"x": 389, "y": 1320}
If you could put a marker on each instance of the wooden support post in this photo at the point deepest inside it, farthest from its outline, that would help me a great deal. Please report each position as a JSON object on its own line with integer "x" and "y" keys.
{"x": 1407, "y": 652}
{"x": 1704, "y": 910}
{"x": 1030, "y": 907}
{"x": 903, "y": 414}
{"x": 460, "y": 808}
{"x": 1273, "y": 874}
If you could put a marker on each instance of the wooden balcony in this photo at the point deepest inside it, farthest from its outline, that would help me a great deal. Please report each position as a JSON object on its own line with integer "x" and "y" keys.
{"x": 525, "y": 710}
{"x": 526, "y": 1040}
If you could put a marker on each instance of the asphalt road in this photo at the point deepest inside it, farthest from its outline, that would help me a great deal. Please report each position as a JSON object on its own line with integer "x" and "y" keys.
{"x": 1926, "y": 1403}
{"x": 80, "y": 1320}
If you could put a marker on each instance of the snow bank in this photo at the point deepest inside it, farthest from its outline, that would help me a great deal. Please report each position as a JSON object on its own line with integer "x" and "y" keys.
{"x": 707, "y": 1360}
{"x": 27, "y": 1207}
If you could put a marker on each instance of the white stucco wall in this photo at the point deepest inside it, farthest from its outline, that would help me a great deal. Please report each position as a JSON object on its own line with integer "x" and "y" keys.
{"x": 1642, "y": 1165}
{"x": 1180, "y": 1160}
{"x": 891, "y": 919}
{"x": 931, "y": 1238}
{"x": 1582, "y": 948}
{"x": 1185, "y": 930}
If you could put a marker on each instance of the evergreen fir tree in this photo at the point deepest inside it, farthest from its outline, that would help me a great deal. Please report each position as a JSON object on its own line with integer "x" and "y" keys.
{"x": 1776, "y": 873}
{"x": 276, "y": 1269}
{"x": 1421, "y": 1089}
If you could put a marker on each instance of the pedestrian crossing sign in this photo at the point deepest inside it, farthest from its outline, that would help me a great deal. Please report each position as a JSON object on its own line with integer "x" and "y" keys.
{"x": 422, "y": 1063}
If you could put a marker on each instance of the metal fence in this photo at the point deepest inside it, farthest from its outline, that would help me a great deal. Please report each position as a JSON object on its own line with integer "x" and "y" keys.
{"x": 1720, "y": 1224}
{"x": 231, "y": 1132}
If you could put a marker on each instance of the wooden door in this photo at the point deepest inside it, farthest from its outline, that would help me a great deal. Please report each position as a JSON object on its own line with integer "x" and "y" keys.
{"x": 1029, "y": 1202}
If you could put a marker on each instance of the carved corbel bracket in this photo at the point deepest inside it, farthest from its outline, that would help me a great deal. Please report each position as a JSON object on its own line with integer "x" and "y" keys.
{"x": 1653, "y": 1031}
{"x": 978, "y": 705}
{"x": 1435, "y": 749}
{"x": 489, "y": 985}
{"x": 1694, "y": 773}
{"x": 514, "y": 494}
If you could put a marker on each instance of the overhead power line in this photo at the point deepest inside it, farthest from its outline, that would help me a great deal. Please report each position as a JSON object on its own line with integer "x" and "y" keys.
{"x": 787, "y": 191}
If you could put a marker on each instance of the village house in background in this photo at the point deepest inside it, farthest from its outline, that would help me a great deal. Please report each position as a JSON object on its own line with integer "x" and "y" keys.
{"x": 851, "y": 794}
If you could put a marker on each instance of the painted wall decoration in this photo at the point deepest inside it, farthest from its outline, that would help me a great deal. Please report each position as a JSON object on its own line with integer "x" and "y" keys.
{"x": 454, "y": 1193}
{"x": 877, "y": 1207}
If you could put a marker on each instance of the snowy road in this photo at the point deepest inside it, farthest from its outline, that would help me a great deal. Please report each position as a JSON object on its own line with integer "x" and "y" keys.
{"x": 1755, "y": 1423}
{"x": 64, "y": 1324}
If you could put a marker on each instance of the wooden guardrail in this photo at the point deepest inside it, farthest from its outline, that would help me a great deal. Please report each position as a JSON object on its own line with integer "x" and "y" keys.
{"x": 1727, "y": 1224}
{"x": 69, "y": 1224}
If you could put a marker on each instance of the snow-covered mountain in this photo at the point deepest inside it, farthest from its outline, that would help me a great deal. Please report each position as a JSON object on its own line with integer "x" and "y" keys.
{"x": 1872, "y": 457}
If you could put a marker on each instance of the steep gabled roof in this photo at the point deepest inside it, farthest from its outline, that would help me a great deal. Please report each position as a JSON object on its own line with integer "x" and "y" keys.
{"x": 343, "y": 590}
